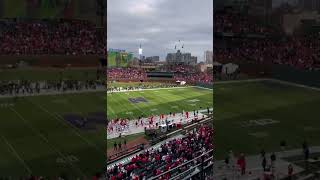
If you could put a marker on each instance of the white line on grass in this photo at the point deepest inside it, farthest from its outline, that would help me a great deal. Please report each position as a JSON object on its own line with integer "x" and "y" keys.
{"x": 17, "y": 155}
{"x": 47, "y": 141}
{"x": 124, "y": 106}
{"x": 137, "y": 107}
{"x": 272, "y": 80}
{"x": 73, "y": 129}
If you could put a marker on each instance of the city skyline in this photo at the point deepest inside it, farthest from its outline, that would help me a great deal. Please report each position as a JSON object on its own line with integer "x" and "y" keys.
{"x": 158, "y": 25}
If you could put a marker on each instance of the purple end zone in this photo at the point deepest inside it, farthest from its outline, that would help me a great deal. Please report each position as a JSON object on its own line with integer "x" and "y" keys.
{"x": 137, "y": 100}
{"x": 86, "y": 123}
{"x": 75, "y": 120}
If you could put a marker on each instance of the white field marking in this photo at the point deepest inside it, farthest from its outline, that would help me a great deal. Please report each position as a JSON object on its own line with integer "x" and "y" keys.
{"x": 241, "y": 81}
{"x": 70, "y": 158}
{"x": 46, "y": 140}
{"x": 258, "y": 122}
{"x": 17, "y": 155}
{"x": 142, "y": 92}
{"x": 73, "y": 128}
{"x": 112, "y": 111}
{"x": 127, "y": 93}
{"x": 310, "y": 128}
{"x": 193, "y": 100}
{"x": 134, "y": 105}
{"x": 153, "y": 109}
{"x": 175, "y": 107}
{"x": 272, "y": 80}
{"x": 156, "y": 91}
{"x": 60, "y": 101}
{"x": 193, "y": 104}
{"x": 129, "y": 112}
{"x": 259, "y": 134}
{"x": 151, "y": 89}
{"x": 6, "y": 105}
{"x": 111, "y": 99}
{"x": 52, "y": 93}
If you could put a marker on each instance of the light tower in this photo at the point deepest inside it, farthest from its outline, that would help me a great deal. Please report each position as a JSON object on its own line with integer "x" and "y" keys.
{"x": 140, "y": 52}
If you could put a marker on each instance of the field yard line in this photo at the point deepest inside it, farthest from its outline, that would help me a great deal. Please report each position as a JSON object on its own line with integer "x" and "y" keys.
{"x": 125, "y": 107}
{"x": 135, "y": 105}
{"x": 152, "y": 112}
{"x": 17, "y": 155}
{"x": 112, "y": 111}
{"x": 131, "y": 105}
{"x": 167, "y": 98}
{"x": 60, "y": 119}
{"x": 202, "y": 88}
{"x": 269, "y": 79}
{"x": 46, "y": 140}
{"x": 111, "y": 99}
{"x": 241, "y": 81}
{"x": 151, "y": 89}
{"x": 294, "y": 84}
{"x": 138, "y": 108}
{"x": 55, "y": 93}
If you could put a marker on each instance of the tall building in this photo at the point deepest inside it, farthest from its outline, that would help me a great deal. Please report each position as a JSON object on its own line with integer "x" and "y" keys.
{"x": 310, "y": 5}
{"x": 181, "y": 58}
{"x": 152, "y": 59}
{"x": 208, "y": 57}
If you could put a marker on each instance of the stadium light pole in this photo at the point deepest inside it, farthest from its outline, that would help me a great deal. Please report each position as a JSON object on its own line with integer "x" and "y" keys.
{"x": 140, "y": 54}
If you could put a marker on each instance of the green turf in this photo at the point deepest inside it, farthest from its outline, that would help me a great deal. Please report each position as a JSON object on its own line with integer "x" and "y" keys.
{"x": 159, "y": 101}
{"x": 36, "y": 139}
{"x": 295, "y": 108}
{"x": 110, "y": 142}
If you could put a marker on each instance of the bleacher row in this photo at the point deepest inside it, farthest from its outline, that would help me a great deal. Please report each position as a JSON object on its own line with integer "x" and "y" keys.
{"x": 272, "y": 46}
{"x": 154, "y": 162}
{"x": 135, "y": 74}
{"x": 53, "y": 37}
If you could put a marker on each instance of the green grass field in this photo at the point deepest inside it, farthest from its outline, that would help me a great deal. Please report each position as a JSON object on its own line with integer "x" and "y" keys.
{"x": 158, "y": 101}
{"x": 241, "y": 110}
{"x": 36, "y": 139}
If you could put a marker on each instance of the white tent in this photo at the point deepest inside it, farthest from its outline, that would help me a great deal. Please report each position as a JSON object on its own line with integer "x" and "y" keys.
{"x": 229, "y": 68}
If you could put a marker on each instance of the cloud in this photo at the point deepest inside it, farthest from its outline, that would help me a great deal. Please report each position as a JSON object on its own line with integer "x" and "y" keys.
{"x": 159, "y": 24}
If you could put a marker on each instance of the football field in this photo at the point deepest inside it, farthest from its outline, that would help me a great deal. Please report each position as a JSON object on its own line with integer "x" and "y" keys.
{"x": 157, "y": 101}
{"x": 41, "y": 135}
{"x": 250, "y": 116}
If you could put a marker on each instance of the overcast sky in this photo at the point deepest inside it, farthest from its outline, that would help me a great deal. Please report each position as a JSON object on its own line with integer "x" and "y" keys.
{"x": 158, "y": 25}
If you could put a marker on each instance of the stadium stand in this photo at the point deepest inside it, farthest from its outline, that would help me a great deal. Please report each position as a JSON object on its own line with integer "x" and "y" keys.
{"x": 54, "y": 37}
{"x": 169, "y": 156}
{"x": 266, "y": 48}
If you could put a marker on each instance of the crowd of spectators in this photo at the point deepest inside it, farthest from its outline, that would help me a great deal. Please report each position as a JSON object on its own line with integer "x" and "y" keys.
{"x": 200, "y": 77}
{"x": 112, "y": 88}
{"x": 302, "y": 52}
{"x": 153, "y": 162}
{"x": 234, "y": 22}
{"x": 181, "y": 73}
{"x": 178, "y": 68}
{"x": 24, "y": 87}
{"x": 132, "y": 74}
{"x": 54, "y": 37}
